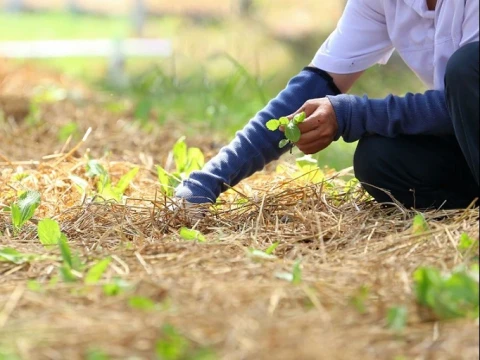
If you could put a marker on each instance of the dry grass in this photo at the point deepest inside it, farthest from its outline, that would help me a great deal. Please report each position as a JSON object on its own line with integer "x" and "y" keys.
{"x": 214, "y": 293}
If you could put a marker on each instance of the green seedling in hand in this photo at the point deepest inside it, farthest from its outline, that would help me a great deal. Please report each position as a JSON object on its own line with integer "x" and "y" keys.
{"x": 292, "y": 132}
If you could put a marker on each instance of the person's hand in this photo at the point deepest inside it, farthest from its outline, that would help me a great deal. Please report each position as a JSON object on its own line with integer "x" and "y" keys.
{"x": 319, "y": 128}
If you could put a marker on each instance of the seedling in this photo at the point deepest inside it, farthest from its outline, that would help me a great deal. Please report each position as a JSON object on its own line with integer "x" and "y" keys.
{"x": 172, "y": 345}
{"x": 191, "y": 235}
{"x": 15, "y": 257}
{"x": 23, "y": 209}
{"x": 105, "y": 188}
{"x": 48, "y": 232}
{"x": 359, "y": 299}
{"x": 397, "y": 318}
{"x": 295, "y": 277}
{"x": 141, "y": 303}
{"x": 420, "y": 225}
{"x": 450, "y": 296}
{"x": 186, "y": 161}
{"x": 96, "y": 271}
{"x": 292, "y": 132}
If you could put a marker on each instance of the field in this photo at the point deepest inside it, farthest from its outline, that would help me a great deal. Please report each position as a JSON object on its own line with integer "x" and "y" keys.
{"x": 296, "y": 262}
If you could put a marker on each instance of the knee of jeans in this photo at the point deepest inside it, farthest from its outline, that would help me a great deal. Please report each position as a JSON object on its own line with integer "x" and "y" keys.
{"x": 366, "y": 162}
{"x": 461, "y": 64}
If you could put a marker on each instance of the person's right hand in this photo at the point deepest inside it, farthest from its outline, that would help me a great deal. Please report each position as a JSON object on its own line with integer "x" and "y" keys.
{"x": 319, "y": 128}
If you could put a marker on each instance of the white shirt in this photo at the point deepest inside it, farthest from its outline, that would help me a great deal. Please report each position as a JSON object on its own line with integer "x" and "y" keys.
{"x": 370, "y": 30}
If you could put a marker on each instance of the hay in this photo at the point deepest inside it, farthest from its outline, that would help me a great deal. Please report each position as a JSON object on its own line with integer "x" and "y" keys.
{"x": 215, "y": 293}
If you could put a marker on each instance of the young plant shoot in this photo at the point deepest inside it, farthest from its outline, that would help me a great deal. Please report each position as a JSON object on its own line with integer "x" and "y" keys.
{"x": 292, "y": 132}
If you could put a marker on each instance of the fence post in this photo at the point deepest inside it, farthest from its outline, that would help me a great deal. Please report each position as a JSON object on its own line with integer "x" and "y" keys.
{"x": 138, "y": 17}
{"x": 116, "y": 65}
{"x": 14, "y": 5}
{"x": 72, "y": 6}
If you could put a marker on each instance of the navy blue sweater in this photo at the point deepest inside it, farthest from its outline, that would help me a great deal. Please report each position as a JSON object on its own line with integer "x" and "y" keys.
{"x": 255, "y": 146}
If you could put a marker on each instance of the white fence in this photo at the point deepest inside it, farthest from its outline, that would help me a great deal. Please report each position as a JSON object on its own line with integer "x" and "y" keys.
{"x": 86, "y": 48}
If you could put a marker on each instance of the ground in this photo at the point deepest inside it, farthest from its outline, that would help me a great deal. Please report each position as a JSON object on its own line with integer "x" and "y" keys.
{"x": 341, "y": 262}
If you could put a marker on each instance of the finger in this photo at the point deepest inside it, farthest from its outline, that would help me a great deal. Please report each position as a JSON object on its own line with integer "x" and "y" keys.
{"x": 313, "y": 148}
{"x": 311, "y": 123}
{"x": 310, "y": 137}
{"x": 302, "y": 109}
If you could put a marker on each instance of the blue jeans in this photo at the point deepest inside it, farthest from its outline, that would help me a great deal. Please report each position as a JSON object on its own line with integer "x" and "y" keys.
{"x": 429, "y": 171}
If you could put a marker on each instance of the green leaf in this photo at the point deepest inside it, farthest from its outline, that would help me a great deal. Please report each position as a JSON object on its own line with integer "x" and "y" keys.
{"x": 195, "y": 160}
{"x": 272, "y": 248}
{"x": 426, "y": 281}
{"x": 96, "y": 355}
{"x": 96, "y": 271}
{"x": 273, "y": 125}
{"x": 66, "y": 273}
{"x": 24, "y": 209}
{"x": 299, "y": 118}
{"x": 466, "y": 242}
{"x": 117, "y": 286}
{"x": 143, "y": 109}
{"x": 79, "y": 183}
{"x": 284, "y": 121}
{"x": 452, "y": 296}
{"x": 189, "y": 234}
{"x": 180, "y": 154}
{"x": 67, "y": 130}
{"x": 283, "y": 143}
{"x": 292, "y": 132}
{"x": 34, "y": 285}
{"x": 419, "y": 225}
{"x": 125, "y": 181}
{"x": 397, "y": 318}
{"x": 95, "y": 169}
{"x": 165, "y": 181}
{"x": 65, "y": 250}
{"x": 14, "y": 256}
{"x": 141, "y": 303}
{"x": 261, "y": 255}
{"x": 48, "y": 232}
{"x": 172, "y": 345}
{"x": 297, "y": 273}
{"x": 306, "y": 161}
{"x": 360, "y": 298}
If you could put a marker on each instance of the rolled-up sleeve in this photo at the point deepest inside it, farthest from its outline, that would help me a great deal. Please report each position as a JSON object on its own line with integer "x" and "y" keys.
{"x": 360, "y": 40}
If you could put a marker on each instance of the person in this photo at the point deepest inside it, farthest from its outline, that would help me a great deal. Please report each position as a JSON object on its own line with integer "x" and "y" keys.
{"x": 421, "y": 149}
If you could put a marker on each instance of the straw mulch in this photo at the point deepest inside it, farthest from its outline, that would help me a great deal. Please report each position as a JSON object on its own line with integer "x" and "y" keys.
{"x": 214, "y": 293}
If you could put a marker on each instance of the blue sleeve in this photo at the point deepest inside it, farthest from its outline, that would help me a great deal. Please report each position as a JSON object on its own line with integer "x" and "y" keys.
{"x": 413, "y": 114}
{"x": 255, "y": 146}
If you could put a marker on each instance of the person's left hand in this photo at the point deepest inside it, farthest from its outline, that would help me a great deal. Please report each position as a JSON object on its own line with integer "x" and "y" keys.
{"x": 320, "y": 126}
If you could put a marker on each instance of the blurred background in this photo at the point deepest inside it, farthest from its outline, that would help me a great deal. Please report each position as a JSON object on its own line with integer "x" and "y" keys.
{"x": 208, "y": 65}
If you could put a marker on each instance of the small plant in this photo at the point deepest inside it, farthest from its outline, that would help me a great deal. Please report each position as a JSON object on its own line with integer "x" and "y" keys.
{"x": 397, "y": 318}
{"x": 15, "y": 257}
{"x": 359, "y": 299}
{"x": 141, "y": 303}
{"x": 466, "y": 243}
{"x": 67, "y": 130}
{"x": 174, "y": 346}
{"x": 105, "y": 188}
{"x": 48, "y": 232}
{"x": 23, "y": 209}
{"x": 420, "y": 225}
{"x": 191, "y": 235}
{"x": 450, "y": 296}
{"x": 295, "y": 277}
{"x": 186, "y": 161}
{"x": 292, "y": 132}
